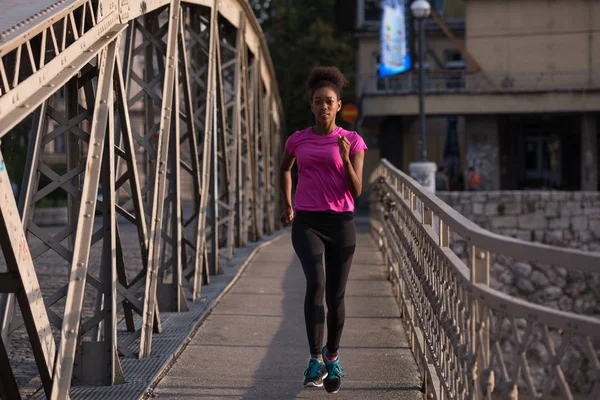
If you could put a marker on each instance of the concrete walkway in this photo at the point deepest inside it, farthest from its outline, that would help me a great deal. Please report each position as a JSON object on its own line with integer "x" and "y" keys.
{"x": 254, "y": 346}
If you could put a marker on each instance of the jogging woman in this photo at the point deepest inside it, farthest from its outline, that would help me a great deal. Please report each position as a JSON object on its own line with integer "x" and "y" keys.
{"x": 330, "y": 164}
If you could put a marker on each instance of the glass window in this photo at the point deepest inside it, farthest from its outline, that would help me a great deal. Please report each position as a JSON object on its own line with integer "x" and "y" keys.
{"x": 372, "y": 10}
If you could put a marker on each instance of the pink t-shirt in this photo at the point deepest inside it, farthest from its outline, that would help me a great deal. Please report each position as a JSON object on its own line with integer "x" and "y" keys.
{"x": 321, "y": 178}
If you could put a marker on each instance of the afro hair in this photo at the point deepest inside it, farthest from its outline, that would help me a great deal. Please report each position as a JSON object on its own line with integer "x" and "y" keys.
{"x": 330, "y": 77}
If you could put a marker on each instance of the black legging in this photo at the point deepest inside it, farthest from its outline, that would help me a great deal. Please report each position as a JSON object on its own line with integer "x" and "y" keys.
{"x": 333, "y": 235}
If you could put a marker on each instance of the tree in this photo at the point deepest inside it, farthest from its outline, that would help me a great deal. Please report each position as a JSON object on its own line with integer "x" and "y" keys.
{"x": 302, "y": 35}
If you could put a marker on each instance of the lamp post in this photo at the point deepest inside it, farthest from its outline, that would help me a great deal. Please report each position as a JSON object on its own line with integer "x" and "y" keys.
{"x": 422, "y": 171}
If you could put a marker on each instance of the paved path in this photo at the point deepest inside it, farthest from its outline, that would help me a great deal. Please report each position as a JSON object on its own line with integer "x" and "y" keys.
{"x": 254, "y": 346}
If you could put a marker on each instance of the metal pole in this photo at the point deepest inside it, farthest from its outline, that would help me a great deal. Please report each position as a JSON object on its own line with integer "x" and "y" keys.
{"x": 422, "y": 148}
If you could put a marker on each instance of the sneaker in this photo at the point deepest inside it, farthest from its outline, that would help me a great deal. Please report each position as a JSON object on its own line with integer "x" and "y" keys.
{"x": 315, "y": 373}
{"x": 335, "y": 373}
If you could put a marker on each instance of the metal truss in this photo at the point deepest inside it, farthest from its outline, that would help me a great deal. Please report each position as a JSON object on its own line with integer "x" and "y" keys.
{"x": 170, "y": 117}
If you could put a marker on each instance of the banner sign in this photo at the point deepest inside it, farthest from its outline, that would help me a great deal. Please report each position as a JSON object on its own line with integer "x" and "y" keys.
{"x": 394, "y": 38}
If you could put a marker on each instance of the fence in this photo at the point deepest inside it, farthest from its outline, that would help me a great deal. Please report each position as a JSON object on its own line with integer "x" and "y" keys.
{"x": 471, "y": 341}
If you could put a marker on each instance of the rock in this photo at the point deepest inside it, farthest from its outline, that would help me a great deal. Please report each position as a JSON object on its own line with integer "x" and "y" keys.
{"x": 552, "y": 293}
{"x": 522, "y": 268}
{"x": 525, "y": 286}
{"x": 565, "y": 303}
{"x": 554, "y": 237}
{"x": 496, "y": 284}
{"x": 521, "y": 323}
{"x": 506, "y": 278}
{"x": 576, "y": 275}
{"x": 477, "y": 209}
{"x": 559, "y": 223}
{"x": 552, "y": 209}
{"x": 532, "y": 221}
{"x": 561, "y": 271}
{"x": 491, "y": 209}
{"x": 585, "y": 304}
{"x": 579, "y": 224}
{"x": 575, "y": 289}
{"x": 538, "y": 352}
{"x": 538, "y": 279}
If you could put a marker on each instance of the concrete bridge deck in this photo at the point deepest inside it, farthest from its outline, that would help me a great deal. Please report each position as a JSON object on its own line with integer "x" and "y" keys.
{"x": 253, "y": 345}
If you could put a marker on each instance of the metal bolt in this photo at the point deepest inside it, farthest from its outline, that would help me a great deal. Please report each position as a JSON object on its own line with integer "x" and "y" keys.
{"x": 86, "y": 215}
{"x": 80, "y": 264}
{"x": 481, "y": 255}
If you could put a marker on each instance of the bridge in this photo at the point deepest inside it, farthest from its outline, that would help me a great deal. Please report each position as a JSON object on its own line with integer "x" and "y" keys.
{"x": 171, "y": 123}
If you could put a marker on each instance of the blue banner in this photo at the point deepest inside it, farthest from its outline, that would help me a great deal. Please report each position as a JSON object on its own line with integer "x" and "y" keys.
{"x": 394, "y": 39}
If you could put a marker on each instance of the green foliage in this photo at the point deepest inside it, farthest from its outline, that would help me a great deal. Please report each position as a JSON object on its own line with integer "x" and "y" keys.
{"x": 14, "y": 150}
{"x": 302, "y": 35}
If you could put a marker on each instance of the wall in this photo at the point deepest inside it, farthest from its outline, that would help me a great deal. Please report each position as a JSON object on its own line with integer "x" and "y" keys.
{"x": 539, "y": 37}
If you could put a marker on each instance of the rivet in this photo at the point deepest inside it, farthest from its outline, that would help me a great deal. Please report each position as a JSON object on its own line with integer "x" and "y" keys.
{"x": 95, "y": 156}
{"x": 86, "y": 215}
{"x": 80, "y": 264}
{"x": 72, "y": 331}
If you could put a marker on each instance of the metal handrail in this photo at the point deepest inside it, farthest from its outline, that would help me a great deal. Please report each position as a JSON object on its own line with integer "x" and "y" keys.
{"x": 461, "y": 81}
{"x": 484, "y": 239}
{"x": 458, "y": 325}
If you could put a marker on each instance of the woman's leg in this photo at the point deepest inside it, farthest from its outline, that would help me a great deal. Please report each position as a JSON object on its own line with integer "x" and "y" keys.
{"x": 338, "y": 259}
{"x": 310, "y": 248}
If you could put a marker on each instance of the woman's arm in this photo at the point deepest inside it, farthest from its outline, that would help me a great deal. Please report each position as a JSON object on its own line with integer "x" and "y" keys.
{"x": 285, "y": 185}
{"x": 353, "y": 167}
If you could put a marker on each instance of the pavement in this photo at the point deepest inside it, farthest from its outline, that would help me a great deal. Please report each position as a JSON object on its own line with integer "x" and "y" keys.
{"x": 253, "y": 345}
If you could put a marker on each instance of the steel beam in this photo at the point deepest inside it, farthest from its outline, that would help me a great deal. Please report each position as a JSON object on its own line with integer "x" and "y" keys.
{"x": 83, "y": 239}
{"x": 160, "y": 179}
{"x": 29, "y": 296}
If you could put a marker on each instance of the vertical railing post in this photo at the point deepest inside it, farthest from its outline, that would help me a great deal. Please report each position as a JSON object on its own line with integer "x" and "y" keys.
{"x": 479, "y": 324}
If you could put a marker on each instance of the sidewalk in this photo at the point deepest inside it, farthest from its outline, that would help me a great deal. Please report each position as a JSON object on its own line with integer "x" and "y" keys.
{"x": 254, "y": 346}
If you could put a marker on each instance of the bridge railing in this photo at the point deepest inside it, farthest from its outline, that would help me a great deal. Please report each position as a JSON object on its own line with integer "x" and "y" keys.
{"x": 158, "y": 124}
{"x": 471, "y": 341}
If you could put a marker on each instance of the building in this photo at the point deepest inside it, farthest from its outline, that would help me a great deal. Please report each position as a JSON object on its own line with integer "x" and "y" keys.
{"x": 512, "y": 87}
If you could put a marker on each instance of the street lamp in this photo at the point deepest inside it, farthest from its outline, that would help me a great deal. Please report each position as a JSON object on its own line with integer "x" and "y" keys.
{"x": 420, "y": 10}
{"x": 422, "y": 171}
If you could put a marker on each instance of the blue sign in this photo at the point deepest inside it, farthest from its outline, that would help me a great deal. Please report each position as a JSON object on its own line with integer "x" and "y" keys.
{"x": 394, "y": 39}
{"x": 1, "y": 165}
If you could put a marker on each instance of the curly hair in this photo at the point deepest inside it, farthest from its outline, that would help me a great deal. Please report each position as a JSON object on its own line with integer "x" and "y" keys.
{"x": 330, "y": 77}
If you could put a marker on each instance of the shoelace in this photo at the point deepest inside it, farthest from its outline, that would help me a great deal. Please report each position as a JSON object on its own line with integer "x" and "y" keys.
{"x": 313, "y": 368}
{"x": 336, "y": 371}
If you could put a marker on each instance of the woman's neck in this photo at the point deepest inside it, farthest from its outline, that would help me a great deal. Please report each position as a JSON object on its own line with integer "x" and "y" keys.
{"x": 323, "y": 130}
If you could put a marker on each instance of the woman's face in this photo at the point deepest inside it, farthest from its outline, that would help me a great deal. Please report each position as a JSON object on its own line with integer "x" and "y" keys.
{"x": 325, "y": 105}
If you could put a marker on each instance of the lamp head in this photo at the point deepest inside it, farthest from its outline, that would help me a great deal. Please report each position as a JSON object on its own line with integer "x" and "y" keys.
{"x": 420, "y": 9}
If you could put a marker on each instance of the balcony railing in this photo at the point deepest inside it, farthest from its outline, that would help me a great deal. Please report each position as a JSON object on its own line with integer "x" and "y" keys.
{"x": 466, "y": 82}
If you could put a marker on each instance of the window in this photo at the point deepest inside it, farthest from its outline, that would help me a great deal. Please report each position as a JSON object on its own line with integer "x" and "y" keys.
{"x": 372, "y": 11}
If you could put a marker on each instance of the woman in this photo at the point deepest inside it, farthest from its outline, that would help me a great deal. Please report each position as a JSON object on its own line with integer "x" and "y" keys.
{"x": 330, "y": 164}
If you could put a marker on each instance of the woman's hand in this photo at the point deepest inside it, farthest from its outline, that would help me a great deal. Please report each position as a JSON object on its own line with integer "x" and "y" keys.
{"x": 344, "y": 146}
{"x": 287, "y": 216}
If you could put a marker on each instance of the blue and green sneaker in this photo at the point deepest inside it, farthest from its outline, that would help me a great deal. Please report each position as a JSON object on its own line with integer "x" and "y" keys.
{"x": 335, "y": 373}
{"x": 315, "y": 373}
